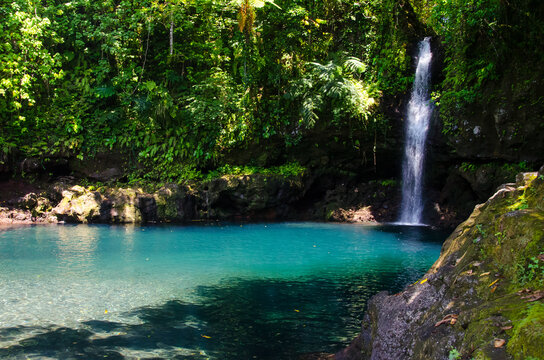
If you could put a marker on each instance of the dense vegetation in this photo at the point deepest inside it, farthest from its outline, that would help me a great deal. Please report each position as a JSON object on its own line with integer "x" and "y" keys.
{"x": 488, "y": 41}
{"x": 182, "y": 86}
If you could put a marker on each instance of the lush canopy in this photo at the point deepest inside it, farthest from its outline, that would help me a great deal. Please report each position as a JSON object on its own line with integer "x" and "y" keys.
{"x": 183, "y": 85}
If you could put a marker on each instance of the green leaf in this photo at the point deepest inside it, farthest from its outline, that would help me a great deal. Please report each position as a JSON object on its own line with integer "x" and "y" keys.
{"x": 150, "y": 85}
{"x": 105, "y": 91}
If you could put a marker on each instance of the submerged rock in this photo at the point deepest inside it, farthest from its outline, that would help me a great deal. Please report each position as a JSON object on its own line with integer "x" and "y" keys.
{"x": 482, "y": 298}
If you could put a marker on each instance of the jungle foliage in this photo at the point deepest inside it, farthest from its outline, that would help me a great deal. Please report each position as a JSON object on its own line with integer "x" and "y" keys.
{"x": 178, "y": 85}
{"x": 487, "y": 41}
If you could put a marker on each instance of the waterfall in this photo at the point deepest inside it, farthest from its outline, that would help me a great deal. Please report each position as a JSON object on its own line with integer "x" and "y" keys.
{"x": 417, "y": 126}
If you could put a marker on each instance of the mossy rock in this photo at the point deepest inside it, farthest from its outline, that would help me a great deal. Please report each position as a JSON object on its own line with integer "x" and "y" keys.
{"x": 79, "y": 205}
{"x": 167, "y": 201}
{"x": 489, "y": 274}
{"x": 527, "y": 336}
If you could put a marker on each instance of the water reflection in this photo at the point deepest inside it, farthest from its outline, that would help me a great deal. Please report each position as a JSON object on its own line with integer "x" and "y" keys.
{"x": 76, "y": 247}
{"x": 128, "y": 239}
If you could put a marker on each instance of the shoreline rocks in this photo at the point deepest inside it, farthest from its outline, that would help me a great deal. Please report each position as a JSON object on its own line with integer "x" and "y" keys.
{"x": 255, "y": 197}
{"x": 248, "y": 198}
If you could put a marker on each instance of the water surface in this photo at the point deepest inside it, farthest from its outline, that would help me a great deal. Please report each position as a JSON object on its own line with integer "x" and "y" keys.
{"x": 260, "y": 291}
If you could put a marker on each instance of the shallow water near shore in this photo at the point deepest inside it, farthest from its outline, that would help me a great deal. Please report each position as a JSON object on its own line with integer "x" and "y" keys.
{"x": 223, "y": 291}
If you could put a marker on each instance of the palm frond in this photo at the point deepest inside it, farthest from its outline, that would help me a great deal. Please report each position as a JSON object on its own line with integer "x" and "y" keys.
{"x": 324, "y": 73}
{"x": 354, "y": 65}
{"x": 261, "y": 3}
{"x": 335, "y": 89}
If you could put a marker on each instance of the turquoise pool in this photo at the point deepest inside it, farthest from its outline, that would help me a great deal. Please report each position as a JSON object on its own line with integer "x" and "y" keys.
{"x": 225, "y": 291}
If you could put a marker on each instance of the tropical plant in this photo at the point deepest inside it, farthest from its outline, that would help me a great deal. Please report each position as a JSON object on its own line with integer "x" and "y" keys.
{"x": 338, "y": 87}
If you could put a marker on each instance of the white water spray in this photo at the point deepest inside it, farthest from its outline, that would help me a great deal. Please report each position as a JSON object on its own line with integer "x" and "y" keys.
{"x": 419, "y": 115}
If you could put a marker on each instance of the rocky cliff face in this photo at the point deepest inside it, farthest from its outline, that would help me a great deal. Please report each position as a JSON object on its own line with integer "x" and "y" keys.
{"x": 482, "y": 299}
{"x": 506, "y": 124}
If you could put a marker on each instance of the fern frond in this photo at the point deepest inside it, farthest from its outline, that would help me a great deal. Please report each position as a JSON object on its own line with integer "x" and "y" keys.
{"x": 309, "y": 117}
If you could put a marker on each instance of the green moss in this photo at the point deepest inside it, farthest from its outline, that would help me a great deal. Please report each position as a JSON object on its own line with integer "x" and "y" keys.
{"x": 535, "y": 197}
{"x": 507, "y": 238}
{"x": 167, "y": 210}
{"x": 502, "y": 240}
{"x": 527, "y": 336}
{"x": 520, "y": 203}
{"x": 491, "y": 320}
{"x": 288, "y": 170}
{"x": 480, "y": 333}
{"x": 480, "y": 355}
{"x": 166, "y": 200}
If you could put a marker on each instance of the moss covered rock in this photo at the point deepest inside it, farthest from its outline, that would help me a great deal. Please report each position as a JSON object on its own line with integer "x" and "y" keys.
{"x": 173, "y": 203}
{"x": 255, "y": 196}
{"x": 110, "y": 204}
{"x": 482, "y": 298}
{"x": 121, "y": 205}
{"x": 79, "y": 205}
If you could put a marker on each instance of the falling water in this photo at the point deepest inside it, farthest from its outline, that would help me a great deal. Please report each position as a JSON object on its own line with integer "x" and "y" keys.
{"x": 419, "y": 114}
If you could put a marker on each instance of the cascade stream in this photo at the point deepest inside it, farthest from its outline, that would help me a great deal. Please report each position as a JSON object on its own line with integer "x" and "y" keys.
{"x": 418, "y": 119}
